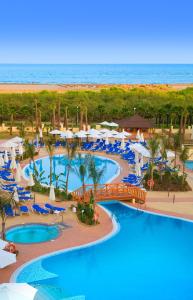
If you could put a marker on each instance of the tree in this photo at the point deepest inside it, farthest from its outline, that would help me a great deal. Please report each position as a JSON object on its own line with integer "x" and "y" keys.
{"x": 66, "y": 118}
{"x": 176, "y": 145}
{"x": 95, "y": 174}
{"x": 11, "y": 124}
{"x": 82, "y": 169}
{"x": 153, "y": 146}
{"x": 30, "y": 152}
{"x": 5, "y": 199}
{"x": 184, "y": 156}
{"x": 50, "y": 150}
{"x": 71, "y": 152}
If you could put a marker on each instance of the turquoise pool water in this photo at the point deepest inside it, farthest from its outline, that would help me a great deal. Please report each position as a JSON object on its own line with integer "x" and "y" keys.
{"x": 189, "y": 164}
{"x": 59, "y": 168}
{"x": 32, "y": 233}
{"x": 150, "y": 257}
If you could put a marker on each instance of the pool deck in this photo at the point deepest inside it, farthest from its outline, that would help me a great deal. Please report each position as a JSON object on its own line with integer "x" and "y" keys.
{"x": 78, "y": 234}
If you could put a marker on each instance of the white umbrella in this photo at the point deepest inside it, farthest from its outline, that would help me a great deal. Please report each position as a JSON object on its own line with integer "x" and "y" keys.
{"x": 13, "y": 153}
{"x": 67, "y": 134}
{"x": 13, "y": 164}
{"x": 136, "y": 157}
{"x": 102, "y": 131}
{"x": 18, "y": 174}
{"x": 92, "y": 131}
{"x": 139, "y": 170}
{"x": 138, "y": 135}
{"x": 8, "y": 144}
{"x": 112, "y": 124}
{"x": 141, "y": 161}
{"x": 20, "y": 147}
{"x": 41, "y": 133}
{"x": 80, "y": 135}
{"x": 1, "y": 161}
{"x": 142, "y": 138}
{"x": 105, "y": 123}
{"x": 31, "y": 180}
{"x": 19, "y": 168}
{"x": 17, "y": 291}
{"x": 106, "y": 136}
{"x": 6, "y": 259}
{"x": 170, "y": 154}
{"x": 114, "y": 132}
{"x": 15, "y": 195}
{"x": 52, "y": 194}
{"x": 122, "y": 134}
{"x": 56, "y": 132}
{"x": 140, "y": 149}
{"x": 6, "y": 158}
{"x": 95, "y": 136}
{"x": 123, "y": 143}
{"x": 16, "y": 139}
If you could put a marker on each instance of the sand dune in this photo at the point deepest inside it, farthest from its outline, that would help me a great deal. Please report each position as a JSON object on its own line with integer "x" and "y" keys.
{"x": 24, "y": 88}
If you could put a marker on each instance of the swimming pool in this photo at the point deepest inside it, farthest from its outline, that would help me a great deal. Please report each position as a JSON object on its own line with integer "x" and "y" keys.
{"x": 150, "y": 257}
{"x": 189, "y": 164}
{"x": 59, "y": 168}
{"x": 32, "y": 233}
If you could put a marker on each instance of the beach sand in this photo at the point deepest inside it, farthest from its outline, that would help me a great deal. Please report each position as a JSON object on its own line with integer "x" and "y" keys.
{"x": 26, "y": 88}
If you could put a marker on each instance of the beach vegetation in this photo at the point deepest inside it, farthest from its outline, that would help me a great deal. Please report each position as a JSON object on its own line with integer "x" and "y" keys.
{"x": 165, "y": 106}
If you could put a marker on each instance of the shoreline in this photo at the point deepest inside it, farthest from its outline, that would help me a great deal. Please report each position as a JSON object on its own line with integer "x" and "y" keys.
{"x": 63, "y": 87}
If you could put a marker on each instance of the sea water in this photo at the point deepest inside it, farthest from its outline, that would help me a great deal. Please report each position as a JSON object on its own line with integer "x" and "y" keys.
{"x": 96, "y": 73}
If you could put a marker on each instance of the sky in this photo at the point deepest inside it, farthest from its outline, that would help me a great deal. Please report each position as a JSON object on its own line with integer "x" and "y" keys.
{"x": 96, "y": 31}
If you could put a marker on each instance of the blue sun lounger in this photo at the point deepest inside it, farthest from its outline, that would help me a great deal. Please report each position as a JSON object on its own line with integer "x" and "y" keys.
{"x": 9, "y": 211}
{"x": 38, "y": 209}
{"x": 24, "y": 209}
{"x": 53, "y": 208}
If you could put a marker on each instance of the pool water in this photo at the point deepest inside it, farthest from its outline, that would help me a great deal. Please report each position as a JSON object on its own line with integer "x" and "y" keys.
{"x": 150, "y": 257}
{"x": 189, "y": 164}
{"x": 32, "y": 233}
{"x": 59, "y": 169}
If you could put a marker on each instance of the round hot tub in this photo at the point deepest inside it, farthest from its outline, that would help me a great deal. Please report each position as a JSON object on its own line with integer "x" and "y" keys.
{"x": 32, "y": 233}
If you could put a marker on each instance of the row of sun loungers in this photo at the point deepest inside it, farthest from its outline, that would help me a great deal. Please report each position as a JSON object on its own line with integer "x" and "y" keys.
{"x": 36, "y": 208}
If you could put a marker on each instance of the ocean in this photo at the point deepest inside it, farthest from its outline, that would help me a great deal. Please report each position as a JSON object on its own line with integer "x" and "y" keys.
{"x": 96, "y": 74}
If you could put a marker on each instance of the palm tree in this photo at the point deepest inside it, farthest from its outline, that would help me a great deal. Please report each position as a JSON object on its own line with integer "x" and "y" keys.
{"x": 95, "y": 174}
{"x": 153, "y": 145}
{"x": 50, "y": 150}
{"x": 66, "y": 118}
{"x": 82, "y": 169}
{"x": 176, "y": 145}
{"x": 184, "y": 156}
{"x": 30, "y": 152}
{"x": 71, "y": 152}
{"x": 5, "y": 199}
{"x": 58, "y": 113}
{"x": 11, "y": 124}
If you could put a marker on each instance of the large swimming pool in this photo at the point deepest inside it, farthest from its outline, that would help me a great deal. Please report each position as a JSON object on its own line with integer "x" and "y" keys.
{"x": 59, "y": 168}
{"x": 150, "y": 257}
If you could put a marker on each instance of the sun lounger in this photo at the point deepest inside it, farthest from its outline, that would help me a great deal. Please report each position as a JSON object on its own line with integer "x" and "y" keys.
{"x": 38, "y": 209}
{"x": 9, "y": 211}
{"x": 54, "y": 208}
{"x": 24, "y": 209}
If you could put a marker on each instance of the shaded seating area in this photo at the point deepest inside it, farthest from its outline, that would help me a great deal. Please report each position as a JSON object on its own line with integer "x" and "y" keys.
{"x": 134, "y": 123}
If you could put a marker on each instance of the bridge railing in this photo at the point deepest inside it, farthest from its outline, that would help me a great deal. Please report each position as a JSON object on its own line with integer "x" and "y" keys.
{"x": 119, "y": 191}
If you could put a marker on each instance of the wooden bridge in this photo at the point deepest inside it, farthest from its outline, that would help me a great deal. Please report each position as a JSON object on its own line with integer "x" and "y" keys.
{"x": 109, "y": 191}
